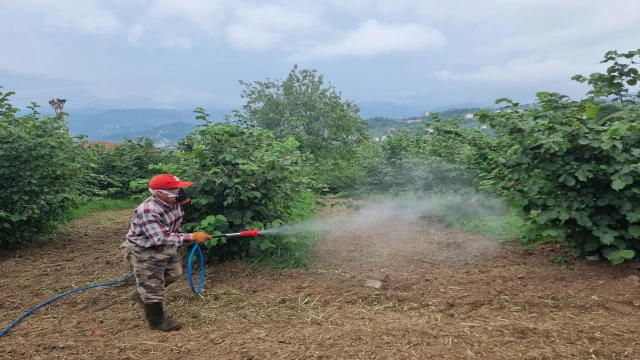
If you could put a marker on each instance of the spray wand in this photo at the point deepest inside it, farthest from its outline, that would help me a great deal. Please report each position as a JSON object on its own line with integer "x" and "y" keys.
{"x": 245, "y": 233}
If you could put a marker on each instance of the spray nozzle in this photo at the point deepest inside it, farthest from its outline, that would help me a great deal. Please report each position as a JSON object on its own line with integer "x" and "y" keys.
{"x": 253, "y": 232}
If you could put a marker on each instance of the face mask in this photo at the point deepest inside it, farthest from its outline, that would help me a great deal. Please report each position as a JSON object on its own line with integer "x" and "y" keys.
{"x": 181, "y": 197}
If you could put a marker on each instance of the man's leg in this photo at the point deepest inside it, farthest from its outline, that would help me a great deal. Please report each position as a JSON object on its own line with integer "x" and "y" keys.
{"x": 173, "y": 270}
{"x": 149, "y": 266}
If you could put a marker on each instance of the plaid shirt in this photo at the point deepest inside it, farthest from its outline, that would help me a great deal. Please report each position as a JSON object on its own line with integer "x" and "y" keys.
{"x": 155, "y": 223}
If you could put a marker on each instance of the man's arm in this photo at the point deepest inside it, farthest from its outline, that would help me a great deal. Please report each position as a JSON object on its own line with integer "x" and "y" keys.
{"x": 159, "y": 233}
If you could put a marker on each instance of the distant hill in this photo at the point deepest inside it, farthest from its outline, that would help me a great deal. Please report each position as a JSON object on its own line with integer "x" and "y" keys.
{"x": 164, "y": 135}
{"x": 108, "y": 122}
{"x": 166, "y": 126}
{"x": 381, "y": 125}
{"x": 400, "y": 111}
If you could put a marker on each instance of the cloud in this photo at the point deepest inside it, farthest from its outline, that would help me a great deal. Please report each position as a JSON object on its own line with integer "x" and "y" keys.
{"x": 261, "y": 27}
{"x": 531, "y": 69}
{"x": 177, "y": 42}
{"x": 246, "y": 25}
{"x": 134, "y": 33}
{"x": 178, "y": 24}
{"x": 204, "y": 15}
{"x": 86, "y": 16}
{"x": 374, "y": 37}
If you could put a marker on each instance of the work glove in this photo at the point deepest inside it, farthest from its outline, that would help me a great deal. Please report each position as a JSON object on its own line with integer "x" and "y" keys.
{"x": 201, "y": 237}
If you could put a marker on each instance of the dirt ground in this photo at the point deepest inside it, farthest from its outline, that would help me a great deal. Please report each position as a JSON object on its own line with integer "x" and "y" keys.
{"x": 444, "y": 294}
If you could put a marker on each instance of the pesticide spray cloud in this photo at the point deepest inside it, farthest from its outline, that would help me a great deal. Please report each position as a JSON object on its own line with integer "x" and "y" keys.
{"x": 401, "y": 228}
{"x": 374, "y": 213}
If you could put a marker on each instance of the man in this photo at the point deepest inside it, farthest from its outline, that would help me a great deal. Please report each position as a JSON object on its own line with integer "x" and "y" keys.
{"x": 151, "y": 247}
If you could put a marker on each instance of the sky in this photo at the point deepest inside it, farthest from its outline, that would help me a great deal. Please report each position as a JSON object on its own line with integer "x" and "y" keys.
{"x": 188, "y": 53}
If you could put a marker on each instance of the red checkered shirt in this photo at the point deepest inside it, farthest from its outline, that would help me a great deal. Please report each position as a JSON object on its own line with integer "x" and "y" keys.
{"x": 155, "y": 223}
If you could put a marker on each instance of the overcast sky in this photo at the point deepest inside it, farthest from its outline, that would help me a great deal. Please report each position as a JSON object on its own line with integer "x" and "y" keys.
{"x": 185, "y": 53}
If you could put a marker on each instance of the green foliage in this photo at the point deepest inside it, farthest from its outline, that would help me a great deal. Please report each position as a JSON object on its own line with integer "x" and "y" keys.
{"x": 128, "y": 161}
{"x": 37, "y": 171}
{"x": 441, "y": 158}
{"x": 290, "y": 251}
{"x": 243, "y": 179}
{"x": 574, "y": 166}
{"x": 108, "y": 173}
{"x": 90, "y": 185}
{"x": 379, "y": 126}
{"x": 315, "y": 115}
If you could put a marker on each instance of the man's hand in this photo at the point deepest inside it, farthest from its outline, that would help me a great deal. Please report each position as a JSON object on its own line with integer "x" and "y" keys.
{"x": 201, "y": 237}
{"x": 179, "y": 229}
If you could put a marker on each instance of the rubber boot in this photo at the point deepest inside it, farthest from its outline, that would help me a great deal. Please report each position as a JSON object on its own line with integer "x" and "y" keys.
{"x": 135, "y": 296}
{"x": 155, "y": 315}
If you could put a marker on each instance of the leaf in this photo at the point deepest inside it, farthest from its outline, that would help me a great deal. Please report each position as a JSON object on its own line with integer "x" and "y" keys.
{"x": 627, "y": 254}
{"x": 607, "y": 238}
{"x": 618, "y": 184}
{"x": 633, "y": 217}
{"x": 607, "y": 111}
{"x": 592, "y": 112}
{"x": 619, "y": 130}
{"x": 570, "y": 181}
{"x": 607, "y": 144}
{"x": 615, "y": 257}
{"x": 634, "y": 231}
{"x": 632, "y": 82}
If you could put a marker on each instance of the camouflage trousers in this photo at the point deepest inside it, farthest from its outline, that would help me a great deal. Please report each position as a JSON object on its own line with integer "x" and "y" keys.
{"x": 155, "y": 268}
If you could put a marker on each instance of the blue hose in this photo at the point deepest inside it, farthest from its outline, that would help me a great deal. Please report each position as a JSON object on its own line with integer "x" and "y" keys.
{"x": 58, "y": 297}
{"x": 195, "y": 247}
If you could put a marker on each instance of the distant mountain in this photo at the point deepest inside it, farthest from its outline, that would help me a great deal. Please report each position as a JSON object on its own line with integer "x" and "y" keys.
{"x": 163, "y": 135}
{"x": 111, "y": 121}
{"x": 114, "y": 125}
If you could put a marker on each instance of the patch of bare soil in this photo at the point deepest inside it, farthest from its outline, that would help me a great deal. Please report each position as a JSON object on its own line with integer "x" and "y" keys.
{"x": 393, "y": 287}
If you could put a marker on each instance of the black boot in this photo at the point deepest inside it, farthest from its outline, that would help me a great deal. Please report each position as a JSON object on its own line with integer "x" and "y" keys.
{"x": 155, "y": 314}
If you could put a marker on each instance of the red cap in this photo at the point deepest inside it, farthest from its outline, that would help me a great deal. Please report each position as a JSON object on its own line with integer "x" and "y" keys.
{"x": 167, "y": 181}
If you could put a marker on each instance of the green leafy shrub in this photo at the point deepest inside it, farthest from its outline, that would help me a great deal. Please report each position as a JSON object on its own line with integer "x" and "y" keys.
{"x": 37, "y": 170}
{"x": 243, "y": 178}
{"x": 126, "y": 162}
{"x": 441, "y": 158}
{"x": 90, "y": 186}
{"x": 108, "y": 173}
{"x": 574, "y": 166}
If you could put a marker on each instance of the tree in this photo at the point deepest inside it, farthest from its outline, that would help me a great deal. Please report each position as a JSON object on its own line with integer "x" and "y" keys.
{"x": 302, "y": 107}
